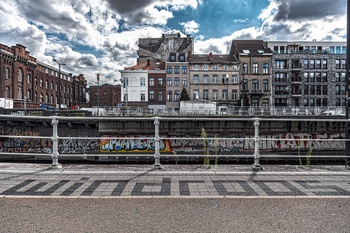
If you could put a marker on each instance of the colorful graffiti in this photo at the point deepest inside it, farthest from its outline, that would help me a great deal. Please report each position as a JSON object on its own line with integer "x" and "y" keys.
{"x": 133, "y": 144}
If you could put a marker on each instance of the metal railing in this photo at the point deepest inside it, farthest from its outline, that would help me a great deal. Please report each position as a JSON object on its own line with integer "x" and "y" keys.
{"x": 157, "y": 138}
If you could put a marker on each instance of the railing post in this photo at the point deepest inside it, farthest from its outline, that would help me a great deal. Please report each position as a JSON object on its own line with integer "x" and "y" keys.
{"x": 256, "y": 166}
{"x": 55, "y": 153}
{"x": 156, "y": 143}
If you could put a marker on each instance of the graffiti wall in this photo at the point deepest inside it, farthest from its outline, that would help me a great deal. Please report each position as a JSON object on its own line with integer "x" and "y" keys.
{"x": 145, "y": 143}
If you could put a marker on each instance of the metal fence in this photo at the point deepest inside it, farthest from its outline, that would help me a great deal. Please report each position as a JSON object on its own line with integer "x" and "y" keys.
{"x": 230, "y": 111}
{"x": 255, "y": 121}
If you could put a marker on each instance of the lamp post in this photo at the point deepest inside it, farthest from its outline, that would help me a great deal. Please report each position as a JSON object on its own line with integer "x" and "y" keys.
{"x": 59, "y": 82}
{"x": 98, "y": 94}
{"x": 227, "y": 91}
{"x": 125, "y": 83}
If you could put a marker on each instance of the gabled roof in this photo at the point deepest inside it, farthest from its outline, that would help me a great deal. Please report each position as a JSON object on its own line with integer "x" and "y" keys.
{"x": 253, "y": 47}
{"x": 139, "y": 66}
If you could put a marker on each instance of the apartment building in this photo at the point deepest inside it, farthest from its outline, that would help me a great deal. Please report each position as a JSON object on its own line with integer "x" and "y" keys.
{"x": 308, "y": 73}
{"x": 255, "y": 60}
{"x": 24, "y": 79}
{"x": 157, "y": 87}
{"x": 215, "y": 77}
{"x": 177, "y": 78}
{"x": 105, "y": 95}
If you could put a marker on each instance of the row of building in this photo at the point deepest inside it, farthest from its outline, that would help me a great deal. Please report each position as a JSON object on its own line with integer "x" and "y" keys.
{"x": 30, "y": 83}
{"x": 254, "y": 73}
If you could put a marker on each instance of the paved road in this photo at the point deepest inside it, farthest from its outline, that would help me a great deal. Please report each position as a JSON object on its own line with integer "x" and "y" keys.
{"x": 121, "y": 198}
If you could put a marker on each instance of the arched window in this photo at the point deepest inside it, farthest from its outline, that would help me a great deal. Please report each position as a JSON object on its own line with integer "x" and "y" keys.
{"x": 19, "y": 93}
{"x": 29, "y": 79}
{"x": 41, "y": 97}
{"x": 47, "y": 98}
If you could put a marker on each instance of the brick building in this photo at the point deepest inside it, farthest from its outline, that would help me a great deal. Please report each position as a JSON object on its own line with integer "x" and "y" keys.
{"x": 24, "y": 79}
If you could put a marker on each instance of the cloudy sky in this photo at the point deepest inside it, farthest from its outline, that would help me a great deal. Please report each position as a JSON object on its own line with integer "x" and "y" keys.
{"x": 100, "y": 36}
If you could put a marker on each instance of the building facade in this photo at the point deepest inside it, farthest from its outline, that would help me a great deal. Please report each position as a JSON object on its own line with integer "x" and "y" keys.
{"x": 177, "y": 78}
{"x": 25, "y": 80}
{"x": 309, "y": 74}
{"x": 215, "y": 77}
{"x": 256, "y": 61}
{"x": 105, "y": 95}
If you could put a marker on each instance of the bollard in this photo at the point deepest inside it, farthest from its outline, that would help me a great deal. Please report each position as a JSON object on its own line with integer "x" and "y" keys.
{"x": 256, "y": 166}
{"x": 156, "y": 143}
{"x": 55, "y": 153}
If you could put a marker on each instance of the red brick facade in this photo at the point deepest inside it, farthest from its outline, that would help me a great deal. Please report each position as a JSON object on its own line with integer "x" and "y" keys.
{"x": 22, "y": 76}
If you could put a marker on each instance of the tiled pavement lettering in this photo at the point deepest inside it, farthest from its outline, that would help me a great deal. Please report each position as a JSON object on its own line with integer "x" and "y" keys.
{"x": 176, "y": 185}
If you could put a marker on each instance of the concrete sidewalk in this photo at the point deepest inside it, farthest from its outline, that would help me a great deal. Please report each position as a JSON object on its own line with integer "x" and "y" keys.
{"x": 193, "y": 168}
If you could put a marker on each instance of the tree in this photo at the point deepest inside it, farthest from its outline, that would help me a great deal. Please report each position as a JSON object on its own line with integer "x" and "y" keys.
{"x": 184, "y": 95}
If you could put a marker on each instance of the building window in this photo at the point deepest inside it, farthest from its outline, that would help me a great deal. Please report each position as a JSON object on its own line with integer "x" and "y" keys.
{"x": 245, "y": 68}
{"x": 337, "y": 64}
{"x": 184, "y": 69}
{"x": 224, "y": 79}
{"x": 195, "y": 66}
{"x": 255, "y": 68}
{"x": 324, "y": 64}
{"x": 255, "y": 85}
{"x": 234, "y": 67}
{"x": 306, "y": 64}
{"x": 7, "y": 91}
{"x": 47, "y": 84}
{"x": 312, "y": 64}
{"x": 104, "y": 93}
{"x": 266, "y": 84}
{"x": 169, "y": 70}
{"x": 306, "y": 77}
{"x": 143, "y": 97}
{"x": 215, "y": 67}
{"x": 41, "y": 98}
{"x": 169, "y": 82}
{"x": 177, "y": 82}
{"x": 266, "y": 68}
{"x": 160, "y": 81}
{"x": 324, "y": 77}
{"x": 177, "y": 69}
{"x": 234, "y": 79}
{"x": 151, "y": 82}
{"x": 169, "y": 95}
{"x": 160, "y": 96}
{"x": 29, "y": 79}
{"x": 234, "y": 94}
{"x": 205, "y": 78}
{"x": 205, "y": 67}
{"x": 195, "y": 78}
{"x": 184, "y": 82}
{"x": 318, "y": 64}
{"x": 215, "y": 94}
{"x": 151, "y": 96}
{"x": 177, "y": 96}
{"x": 312, "y": 77}
{"x": 224, "y": 94}
{"x": 51, "y": 86}
{"x": 182, "y": 57}
{"x": 7, "y": 73}
{"x": 20, "y": 75}
{"x": 195, "y": 94}
{"x": 215, "y": 79}
{"x": 41, "y": 82}
{"x": 206, "y": 94}
{"x": 280, "y": 64}
{"x": 225, "y": 67}
{"x": 343, "y": 64}
{"x": 143, "y": 81}
{"x": 172, "y": 57}
{"x": 46, "y": 98}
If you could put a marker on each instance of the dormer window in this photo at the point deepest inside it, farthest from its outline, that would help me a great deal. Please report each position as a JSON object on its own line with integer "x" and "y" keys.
{"x": 182, "y": 57}
{"x": 172, "y": 57}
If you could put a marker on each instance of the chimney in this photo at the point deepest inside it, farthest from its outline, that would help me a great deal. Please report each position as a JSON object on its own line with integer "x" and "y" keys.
{"x": 210, "y": 55}
{"x": 148, "y": 62}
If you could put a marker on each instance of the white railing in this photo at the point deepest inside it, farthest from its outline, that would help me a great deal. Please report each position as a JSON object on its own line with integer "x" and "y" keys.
{"x": 157, "y": 137}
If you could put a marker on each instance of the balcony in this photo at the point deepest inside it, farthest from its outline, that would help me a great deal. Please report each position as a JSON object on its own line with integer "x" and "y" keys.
{"x": 296, "y": 93}
{"x": 296, "y": 80}
{"x": 256, "y": 92}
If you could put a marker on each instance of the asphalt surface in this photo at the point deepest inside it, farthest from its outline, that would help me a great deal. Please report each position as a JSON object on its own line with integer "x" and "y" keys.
{"x": 183, "y": 198}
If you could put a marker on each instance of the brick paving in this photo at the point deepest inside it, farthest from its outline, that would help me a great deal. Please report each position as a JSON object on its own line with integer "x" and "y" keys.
{"x": 172, "y": 181}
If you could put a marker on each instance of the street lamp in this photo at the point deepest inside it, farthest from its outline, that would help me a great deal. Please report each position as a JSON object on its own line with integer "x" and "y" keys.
{"x": 125, "y": 83}
{"x": 59, "y": 82}
{"x": 98, "y": 94}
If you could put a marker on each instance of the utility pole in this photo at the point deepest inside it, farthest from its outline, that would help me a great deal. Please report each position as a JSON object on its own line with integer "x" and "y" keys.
{"x": 347, "y": 164}
{"x": 59, "y": 82}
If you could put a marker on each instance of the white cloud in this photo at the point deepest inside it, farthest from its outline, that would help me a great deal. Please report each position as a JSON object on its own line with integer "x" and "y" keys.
{"x": 190, "y": 27}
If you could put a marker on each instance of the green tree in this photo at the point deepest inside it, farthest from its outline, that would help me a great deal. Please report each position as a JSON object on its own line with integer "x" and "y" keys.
{"x": 184, "y": 95}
